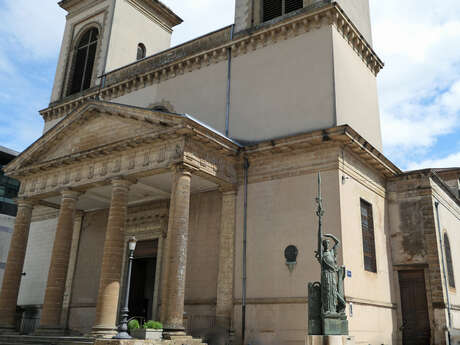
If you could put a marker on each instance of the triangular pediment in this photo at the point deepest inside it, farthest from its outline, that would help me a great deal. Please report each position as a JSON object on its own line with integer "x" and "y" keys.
{"x": 93, "y": 126}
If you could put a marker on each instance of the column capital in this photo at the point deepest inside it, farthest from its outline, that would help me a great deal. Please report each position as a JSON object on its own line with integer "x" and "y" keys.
{"x": 70, "y": 194}
{"x": 120, "y": 182}
{"x": 181, "y": 168}
{"x": 228, "y": 190}
{"x": 26, "y": 202}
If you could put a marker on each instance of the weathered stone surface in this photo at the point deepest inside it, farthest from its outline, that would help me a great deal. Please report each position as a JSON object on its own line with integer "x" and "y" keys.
{"x": 112, "y": 262}
{"x": 54, "y": 295}
{"x": 14, "y": 265}
{"x": 177, "y": 250}
{"x": 224, "y": 306}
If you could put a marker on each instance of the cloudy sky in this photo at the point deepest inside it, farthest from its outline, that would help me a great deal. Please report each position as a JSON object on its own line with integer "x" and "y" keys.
{"x": 419, "y": 88}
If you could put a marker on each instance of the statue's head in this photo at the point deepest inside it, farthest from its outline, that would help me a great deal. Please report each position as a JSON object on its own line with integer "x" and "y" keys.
{"x": 325, "y": 244}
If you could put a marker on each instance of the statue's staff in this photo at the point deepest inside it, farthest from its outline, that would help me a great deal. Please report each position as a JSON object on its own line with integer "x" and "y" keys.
{"x": 319, "y": 213}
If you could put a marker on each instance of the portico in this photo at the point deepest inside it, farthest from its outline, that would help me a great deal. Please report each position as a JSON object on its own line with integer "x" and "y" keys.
{"x": 116, "y": 157}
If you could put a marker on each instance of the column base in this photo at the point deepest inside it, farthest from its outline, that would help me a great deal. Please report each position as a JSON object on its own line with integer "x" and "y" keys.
{"x": 103, "y": 332}
{"x": 171, "y": 333}
{"x": 50, "y": 331}
{"x": 329, "y": 340}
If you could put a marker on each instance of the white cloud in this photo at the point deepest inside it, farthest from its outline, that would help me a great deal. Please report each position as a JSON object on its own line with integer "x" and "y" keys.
{"x": 420, "y": 84}
{"x": 451, "y": 161}
{"x": 36, "y": 26}
{"x": 200, "y": 17}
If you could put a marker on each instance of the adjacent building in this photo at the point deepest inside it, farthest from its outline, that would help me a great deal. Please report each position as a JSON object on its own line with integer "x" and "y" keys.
{"x": 208, "y": 153}
{"x": 9, "y": 189}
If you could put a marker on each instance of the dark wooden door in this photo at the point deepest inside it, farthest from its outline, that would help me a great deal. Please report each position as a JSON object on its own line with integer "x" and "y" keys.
{"x": 416, "y": 323}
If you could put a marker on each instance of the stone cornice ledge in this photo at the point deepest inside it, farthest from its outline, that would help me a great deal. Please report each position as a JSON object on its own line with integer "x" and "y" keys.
{"x": 213, "y": 48}
{"x": 342, "y": 135}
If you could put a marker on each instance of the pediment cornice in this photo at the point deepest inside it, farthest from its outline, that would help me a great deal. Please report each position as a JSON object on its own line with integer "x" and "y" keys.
{"x": 159, "y": 127}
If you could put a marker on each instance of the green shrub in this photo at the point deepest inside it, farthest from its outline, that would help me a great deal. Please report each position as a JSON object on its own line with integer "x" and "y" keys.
{"x": 153, "y": 325}
{"x": 133, "y": 324}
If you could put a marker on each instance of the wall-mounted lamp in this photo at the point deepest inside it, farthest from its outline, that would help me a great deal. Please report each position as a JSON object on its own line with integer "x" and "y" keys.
{"x": 290, "y": 253}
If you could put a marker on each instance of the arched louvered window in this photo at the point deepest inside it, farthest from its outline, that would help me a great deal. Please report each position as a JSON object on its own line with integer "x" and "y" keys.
{"x": 276, "y": 8}
{"x": 141, "y": 51}
{"x": 84, "y": 61}
{"x": 449, "y": 263}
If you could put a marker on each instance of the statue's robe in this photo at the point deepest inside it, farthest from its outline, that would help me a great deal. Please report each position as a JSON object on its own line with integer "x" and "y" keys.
{"x": 329, "y": 283}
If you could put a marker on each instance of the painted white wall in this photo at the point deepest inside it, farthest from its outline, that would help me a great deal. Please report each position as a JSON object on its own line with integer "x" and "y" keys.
{"x": 131, "y": 27}
{"x": 37, "y": 262}
{"x": 356, "y": 94}
{"x": 6, "y": 231}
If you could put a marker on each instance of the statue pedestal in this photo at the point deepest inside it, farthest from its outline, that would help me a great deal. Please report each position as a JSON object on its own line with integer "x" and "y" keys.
{"x": 329, "y": 340}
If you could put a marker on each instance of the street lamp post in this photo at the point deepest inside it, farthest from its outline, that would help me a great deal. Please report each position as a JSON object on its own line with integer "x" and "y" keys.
{"x": 123, "y": 326}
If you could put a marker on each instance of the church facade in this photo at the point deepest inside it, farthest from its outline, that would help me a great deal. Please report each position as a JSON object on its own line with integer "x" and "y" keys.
{"x": 208, "y": 153}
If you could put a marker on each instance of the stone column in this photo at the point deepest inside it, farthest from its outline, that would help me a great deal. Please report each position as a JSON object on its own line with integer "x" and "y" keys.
{"x": 54, "y": 294}
{"x": 14, "y": 265}
{"x": 165, "y": 259}
{"x": 177, "y": 251}
{"x": 224, "y": 308}
{"x": 112, "y": 262}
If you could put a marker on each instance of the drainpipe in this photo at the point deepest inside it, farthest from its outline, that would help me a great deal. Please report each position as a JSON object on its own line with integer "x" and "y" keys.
{"x": 245, "y": 232}
{"x": 229, "y": 83}
{"x": 436, "y": 204}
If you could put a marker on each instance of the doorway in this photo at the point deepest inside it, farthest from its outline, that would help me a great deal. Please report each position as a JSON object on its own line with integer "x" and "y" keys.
{"x": 416, "y": 324}
{"x": 142, "y": 287}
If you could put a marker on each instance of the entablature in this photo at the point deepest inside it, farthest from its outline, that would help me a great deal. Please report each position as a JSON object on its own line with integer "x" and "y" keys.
{"x": 168, "y": 140}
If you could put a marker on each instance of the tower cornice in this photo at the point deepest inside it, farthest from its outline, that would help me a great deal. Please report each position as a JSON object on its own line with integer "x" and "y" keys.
{"x": 212, "y": 48}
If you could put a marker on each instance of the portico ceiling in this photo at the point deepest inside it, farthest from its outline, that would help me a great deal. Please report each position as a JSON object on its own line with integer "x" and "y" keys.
{"x": 146, "y": 189}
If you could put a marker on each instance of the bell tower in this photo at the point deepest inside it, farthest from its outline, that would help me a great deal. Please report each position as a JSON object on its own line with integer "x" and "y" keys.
{"x": 320, "y": 72}
{"x": 101, "y": 36}
{"x": 251, "y": 13}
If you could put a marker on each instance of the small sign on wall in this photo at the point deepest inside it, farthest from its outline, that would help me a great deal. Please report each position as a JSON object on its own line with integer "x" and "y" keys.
{"x": 348, "y": 274}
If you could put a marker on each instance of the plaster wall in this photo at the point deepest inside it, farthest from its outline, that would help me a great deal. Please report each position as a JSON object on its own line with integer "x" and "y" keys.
{"x": 6, "y": 231}
{"x": 258, "y": 110}
{"x": 371, "y": 293}
{"x": 85, "y": 14}
{"x": 281, "y": 212}
{"x": 37, "y": 262}
{"x": 203, "y": 247}
{"x": 87, "y": 272}
{"x": 449, "y": 218}
{"x": 359, "y": 13}
{"x": 201, "y": 94}
{"x": 274, "y": 94}
{"x": 356, "y": 94}
{"x": 131, "y": 27}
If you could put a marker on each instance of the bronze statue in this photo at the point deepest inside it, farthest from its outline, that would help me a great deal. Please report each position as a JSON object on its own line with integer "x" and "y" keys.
{"x": 326, "y": 299}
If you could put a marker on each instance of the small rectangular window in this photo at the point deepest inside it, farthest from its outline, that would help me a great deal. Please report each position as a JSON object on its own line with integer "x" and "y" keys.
{"x": 367, "y": 225}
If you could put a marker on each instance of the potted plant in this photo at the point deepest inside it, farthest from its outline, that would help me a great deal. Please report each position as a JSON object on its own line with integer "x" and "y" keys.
{"x": 152, "y": 330}
{"x": 132, "y": 325}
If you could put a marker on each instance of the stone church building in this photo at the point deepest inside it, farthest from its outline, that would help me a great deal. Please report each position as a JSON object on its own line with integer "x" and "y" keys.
{"x": 208, "y": 153}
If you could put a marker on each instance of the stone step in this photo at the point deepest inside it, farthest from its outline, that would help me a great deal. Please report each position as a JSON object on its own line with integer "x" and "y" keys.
{"x": 42, "y": 340}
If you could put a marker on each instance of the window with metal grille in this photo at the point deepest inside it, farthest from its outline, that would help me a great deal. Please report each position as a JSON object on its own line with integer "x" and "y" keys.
{"x": 450, "y": 265}
{"x": 276, "y": 8}
{"x": 141, "y": 51}
{"x": 84, "y": 61}
{"x": 367, "y": 225}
